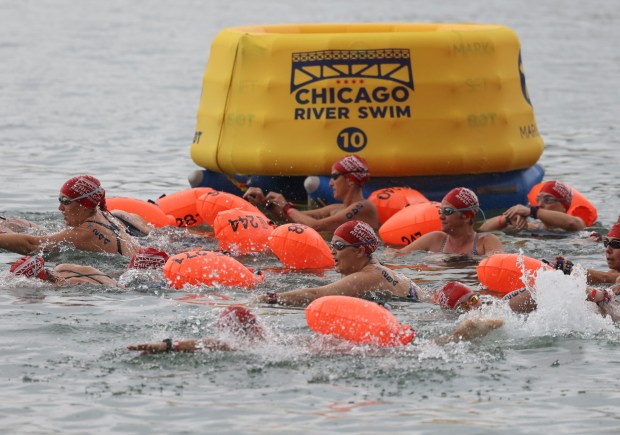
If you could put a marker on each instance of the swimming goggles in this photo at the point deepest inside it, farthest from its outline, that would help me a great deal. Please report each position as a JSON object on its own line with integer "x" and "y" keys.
{"x": 614, "y": 243}
{"x": 546, "y": 199}
{"x": 339, "y": 246}
{"x": 65, "y": 200}
{"x": 335, "y": 175}
{"x": 469, "y": 303}
{"x": 447, "y": 211}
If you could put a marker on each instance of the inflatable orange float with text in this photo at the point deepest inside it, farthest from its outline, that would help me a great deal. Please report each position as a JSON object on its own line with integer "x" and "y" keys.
{"x": 411, "y": 223}
{"x": 300, "y": 247}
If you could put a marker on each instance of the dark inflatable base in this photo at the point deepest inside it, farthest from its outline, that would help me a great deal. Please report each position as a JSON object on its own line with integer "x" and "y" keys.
{"x": 496, "y": 191}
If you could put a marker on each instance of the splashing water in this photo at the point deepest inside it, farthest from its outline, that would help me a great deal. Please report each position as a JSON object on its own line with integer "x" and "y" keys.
{"x": 562, "y": 308}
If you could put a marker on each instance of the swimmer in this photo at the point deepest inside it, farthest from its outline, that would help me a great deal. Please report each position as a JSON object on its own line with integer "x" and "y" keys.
{"x": 457, "y": 236}
{"x": 134, "y": 224}
{"x": 91, "y": 226}
{"x": 612, "y": 254}
{"x": 460, "y": 297}
{"x": 236, "y": 320}
{"x": 348, "y": 175}
{"x": 611, "y": 242}
{"x": 362, "y": 276}
{"x": 148, "y": 258}
{"x": 15, "y": 225}
{"x": 243, "y": 324}
{"x": 552, "y": 204}
{"x": 62, "y": 275}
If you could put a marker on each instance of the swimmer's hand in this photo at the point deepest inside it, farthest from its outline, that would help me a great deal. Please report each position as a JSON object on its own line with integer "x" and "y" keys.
{"x": 475, "y": 328}
{"x": 255, "y": 196}
{"x": 595, "y": 236}
{"x": 561, "y": 263}
{"x": 149, "y": 348}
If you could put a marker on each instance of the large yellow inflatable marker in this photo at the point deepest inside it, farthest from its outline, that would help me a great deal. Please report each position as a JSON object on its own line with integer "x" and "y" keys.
{"x": 413, "y": 99}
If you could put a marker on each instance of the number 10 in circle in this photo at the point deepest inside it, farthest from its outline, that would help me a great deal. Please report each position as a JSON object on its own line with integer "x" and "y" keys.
{"x": 352, "y": 139}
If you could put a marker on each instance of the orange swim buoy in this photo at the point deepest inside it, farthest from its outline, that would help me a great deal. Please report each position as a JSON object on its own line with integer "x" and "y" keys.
{"x": 579, "y": 207}
{"x": 300, "y": 247}
{"x": 208, "y": 268}
{"x": 148, "y": 211}
{"x": 182, "y": 205}
{"x": 503, "y": 273}
{"x": 411, "y": 223}
{"x": 242, "y": 232}
{"x": 391, "y": 200}
{"x": 357, "y": 320}
{"x": 211, "y": 203}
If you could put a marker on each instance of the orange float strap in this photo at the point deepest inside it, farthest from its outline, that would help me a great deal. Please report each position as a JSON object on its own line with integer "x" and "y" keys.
{"x": 357, "y": 320}
{"x": 391, "y": 200}
{"x": 411, "y": 223}
{"x": 148, "y": 211}
{"x": 211, "y": 203}
{"x": 242, "y": 232}
{"x": 182, "y": 205}
{"x": 201, "y": 267}
{"x": 579, "y": 207}
{"x": 504, "y": 273}
{"x": 300, "y": 247}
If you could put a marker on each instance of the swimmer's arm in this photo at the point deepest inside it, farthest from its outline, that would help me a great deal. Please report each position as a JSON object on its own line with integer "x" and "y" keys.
{"x": 491, "y": 244}
{"x": 181, "y": 346}
{"x": 471, "y": 329}
{"x": 609, "y": 308}
{"x": 425, "y": 243}
{"x": 558, "y": 219}
{"x": 353, "y": 285}
{"x": 600, "y": 277}
{"x": 25, "y": 244}
{"x": 362, "y": 210}
{"x": 521, "y": 301}
{"x": 494, "y": 224}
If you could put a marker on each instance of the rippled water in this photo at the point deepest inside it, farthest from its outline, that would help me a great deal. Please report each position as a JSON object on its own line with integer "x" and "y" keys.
{"x": 112, "y": 88}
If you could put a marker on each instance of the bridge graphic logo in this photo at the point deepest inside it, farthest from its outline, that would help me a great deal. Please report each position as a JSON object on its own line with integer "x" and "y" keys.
{"x": 392, "y": 64}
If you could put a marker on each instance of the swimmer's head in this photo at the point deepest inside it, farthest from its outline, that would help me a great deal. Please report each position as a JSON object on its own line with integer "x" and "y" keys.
{"x": 614, "y": 232}
{"x": 148, "y": 258}
{"x": 354, "y": 168}
{"x": 560, "y": 191}
{"x": 452, "y": 294}
{"x": 30, "y": 267}
{"x": 240, "y": 321}
{"x": 463, "y": 199}
{"x": 360, "y": 233}
{"x": 86, "y": 190}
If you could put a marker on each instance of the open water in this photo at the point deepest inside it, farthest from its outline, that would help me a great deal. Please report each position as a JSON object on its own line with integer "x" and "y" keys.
{"x": 112, "y": 88}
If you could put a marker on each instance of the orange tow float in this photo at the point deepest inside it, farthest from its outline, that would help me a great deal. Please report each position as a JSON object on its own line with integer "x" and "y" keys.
{"x": 300, "y": 247}
{"x": 357, "y": 320}
{"x": 503, "y": 273}
{"x": 208, "y": 268}
{"x": 411, "y": 223}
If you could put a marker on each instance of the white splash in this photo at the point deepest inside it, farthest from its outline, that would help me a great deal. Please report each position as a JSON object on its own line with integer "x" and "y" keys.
{"x": 562, "y": 308}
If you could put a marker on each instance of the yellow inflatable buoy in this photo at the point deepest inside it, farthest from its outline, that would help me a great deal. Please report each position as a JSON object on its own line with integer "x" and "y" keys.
{"x": 412, "y": 99}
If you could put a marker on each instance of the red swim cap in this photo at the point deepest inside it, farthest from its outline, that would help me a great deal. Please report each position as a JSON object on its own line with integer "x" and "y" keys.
{"x": 354, "y": 168}
{"x": 30, "y": 267}
{"x": 450, "y": 294}
{"x": 560, "y": 191}
{"x": 87, "y": 188}
{"x": 614, "y": 232}
{"x": 148, "y": 258}
{"x": 462, "y": 197}
{"x": 358, "y": 232}
{"x": 240, "y": 321}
